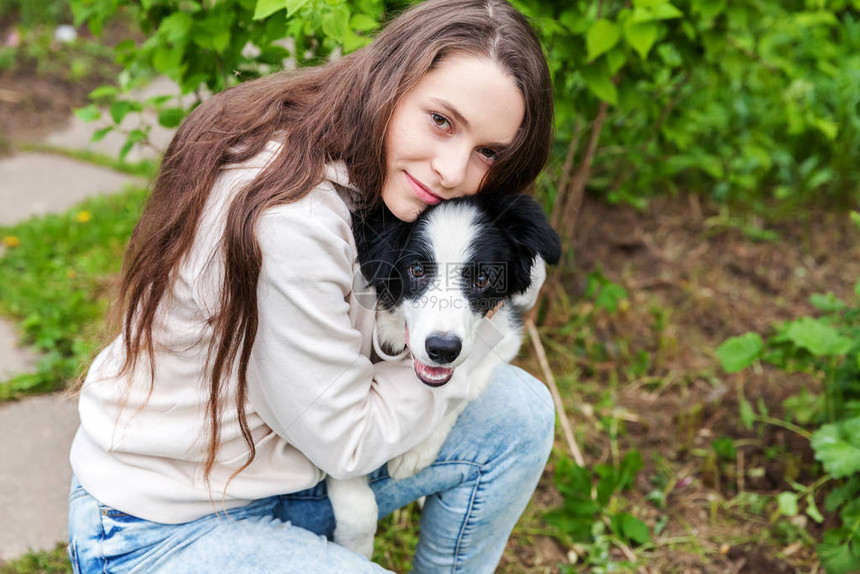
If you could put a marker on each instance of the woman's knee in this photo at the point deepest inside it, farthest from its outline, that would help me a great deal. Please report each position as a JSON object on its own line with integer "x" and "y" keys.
{"x": 530, "y": 409}
{"x": 515, "y": 414}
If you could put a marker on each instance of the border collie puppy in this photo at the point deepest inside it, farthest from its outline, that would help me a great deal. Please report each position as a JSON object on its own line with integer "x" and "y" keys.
{"x": 451, "y": 289}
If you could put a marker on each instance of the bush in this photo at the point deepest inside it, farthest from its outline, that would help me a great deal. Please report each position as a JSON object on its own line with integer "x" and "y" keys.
{"x": 752, "y": 103}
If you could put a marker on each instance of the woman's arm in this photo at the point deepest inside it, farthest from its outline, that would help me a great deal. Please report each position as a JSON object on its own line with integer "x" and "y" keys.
{"x": 307, "y": 376}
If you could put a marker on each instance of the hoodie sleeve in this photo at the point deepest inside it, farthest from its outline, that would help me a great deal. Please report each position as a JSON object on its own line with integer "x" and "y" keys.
{"x": 307, "y": 376}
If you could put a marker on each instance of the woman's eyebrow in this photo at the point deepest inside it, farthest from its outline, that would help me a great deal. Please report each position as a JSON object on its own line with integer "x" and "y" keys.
{"x": 449, "y": 108}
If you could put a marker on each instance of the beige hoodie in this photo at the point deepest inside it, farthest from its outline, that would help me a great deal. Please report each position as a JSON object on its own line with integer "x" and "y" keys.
{"x": 317, "y": 404}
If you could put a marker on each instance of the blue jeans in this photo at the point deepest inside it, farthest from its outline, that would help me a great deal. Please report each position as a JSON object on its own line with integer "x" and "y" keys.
{"x": 476, "y": 491}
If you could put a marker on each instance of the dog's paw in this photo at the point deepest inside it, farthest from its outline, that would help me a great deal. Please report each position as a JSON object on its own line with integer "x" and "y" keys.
{"x": 409, "y": 464}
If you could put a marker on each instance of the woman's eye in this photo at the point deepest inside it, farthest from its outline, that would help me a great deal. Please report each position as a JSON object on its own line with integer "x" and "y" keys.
{"x": 416, "y": 270}
{"x": 488, "y": 153}
{"x": 481, "y": 281}
{"x": 440, "y": 121}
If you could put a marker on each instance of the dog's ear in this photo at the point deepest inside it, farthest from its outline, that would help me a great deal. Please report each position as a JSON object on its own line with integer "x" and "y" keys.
{"x": 525, "y": 224}
{"x": 521, "y": 220}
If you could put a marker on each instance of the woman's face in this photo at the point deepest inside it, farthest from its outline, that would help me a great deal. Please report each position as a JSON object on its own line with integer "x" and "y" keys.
{"x": 446, "y": 131}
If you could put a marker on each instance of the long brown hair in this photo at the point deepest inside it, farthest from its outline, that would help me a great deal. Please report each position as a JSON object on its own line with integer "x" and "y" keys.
{"x": 337, "y": 112}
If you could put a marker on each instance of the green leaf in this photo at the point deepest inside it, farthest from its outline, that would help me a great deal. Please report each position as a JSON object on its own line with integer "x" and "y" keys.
{"x": 89, "y": 113}
{"x": 738, "y": 353}
{"x": 662, "y": 11}
{"x": 615, "y": 60}
{"x": 171, "y": 117}
{"x": 817, "y": 337}
{"x": 747, "y": 414}
{"x": 762, "y": 407}
{"x": 803, "y": 407}
{"x": 598, "y": 81}
{"x": 839, "y": 495}
{"x": 266, "y": 8}
{"x": 837, "y": 447}
{"x": 103, "y": 92}
{"x": 725, "y": 448}
{"x": 120, "y": 109}
{"x": 335, "y": 24}
{"x": 602, "y": 37}
{"x": 835, "y": 553}
{"x": 711, "y": 164}
{"x": 606, "y": 485}
{"x": 294, "y": 6}
{"x": 631, "y": 464}
{"x": 99, "y": 135}
{"x": 634, "y": 529}
{"x": 155, "y": 101}
{"x": 574, "y": 21}
{"x": 126, "y": 148}
{"x": 168, "y": 62}
{"x": 215, "y": 30}
{"x": 850, "y": 513}
{"x": 363, "y": 23}
{"x": 641, "y": 36}
{"x": 609, "y": 297}
{"x": 787, "y": 503}
{"x": 828, "y": 303}
{"x": 666, "y": 11}
{"x": 176, "y": 27}
{"x": 812, "y": 509}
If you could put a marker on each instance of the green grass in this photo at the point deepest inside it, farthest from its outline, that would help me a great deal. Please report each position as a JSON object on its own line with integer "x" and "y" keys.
{"x": 55, "y": 278}
{"x": 396, "y": 539}
{"x": 54, "y": 561}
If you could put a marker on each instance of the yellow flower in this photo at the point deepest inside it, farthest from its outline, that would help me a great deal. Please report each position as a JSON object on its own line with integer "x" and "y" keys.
{"x": 84, "y": 216}
{"x": 11, "y": 241}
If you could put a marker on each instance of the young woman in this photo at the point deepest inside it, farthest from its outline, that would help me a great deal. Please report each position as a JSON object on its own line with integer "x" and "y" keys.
{"x": 244, "y": 371}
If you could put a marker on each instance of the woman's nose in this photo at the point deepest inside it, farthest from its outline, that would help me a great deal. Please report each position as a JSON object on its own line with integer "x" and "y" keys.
{"x": 450, "y": 166}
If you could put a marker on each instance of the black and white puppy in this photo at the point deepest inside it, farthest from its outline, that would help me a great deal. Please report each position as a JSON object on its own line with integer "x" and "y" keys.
{"x": 451, "y": 289}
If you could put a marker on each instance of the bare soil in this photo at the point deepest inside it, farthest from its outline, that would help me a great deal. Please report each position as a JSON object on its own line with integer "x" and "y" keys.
{"x": 694, "y": 278}
{"x": 37, "y": 99}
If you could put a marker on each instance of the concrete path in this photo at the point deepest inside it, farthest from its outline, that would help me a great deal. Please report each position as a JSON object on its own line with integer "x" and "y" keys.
{"x": 38, "y": 183}
{"x": 36, "y": 432}
{"x": 35, "y": 473}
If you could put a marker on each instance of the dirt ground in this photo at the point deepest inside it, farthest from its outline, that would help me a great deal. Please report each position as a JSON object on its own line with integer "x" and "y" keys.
{"x": 694, "y": 270}
{"x": 35, "y": 102}
{"x": 694, "y": 278}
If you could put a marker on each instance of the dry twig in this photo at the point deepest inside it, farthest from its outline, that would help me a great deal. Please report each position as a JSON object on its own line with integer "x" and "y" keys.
{"x": 567, "y": 430}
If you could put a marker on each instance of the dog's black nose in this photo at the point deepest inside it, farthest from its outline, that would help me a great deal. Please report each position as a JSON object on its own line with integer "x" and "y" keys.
{"x": 443, "y": 348}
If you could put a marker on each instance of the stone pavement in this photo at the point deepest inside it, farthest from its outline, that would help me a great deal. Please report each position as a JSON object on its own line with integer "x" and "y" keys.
{"x": 35, "y": 432}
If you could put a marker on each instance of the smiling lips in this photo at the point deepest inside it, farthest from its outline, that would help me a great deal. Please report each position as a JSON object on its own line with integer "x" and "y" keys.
{"x": 422, "y": 192}
{"x": 432, "y": 376}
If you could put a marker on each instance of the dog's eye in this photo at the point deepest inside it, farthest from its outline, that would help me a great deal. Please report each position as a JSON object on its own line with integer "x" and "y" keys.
{"x": 481, "y": 281}
{"x": 416, "y": 270}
